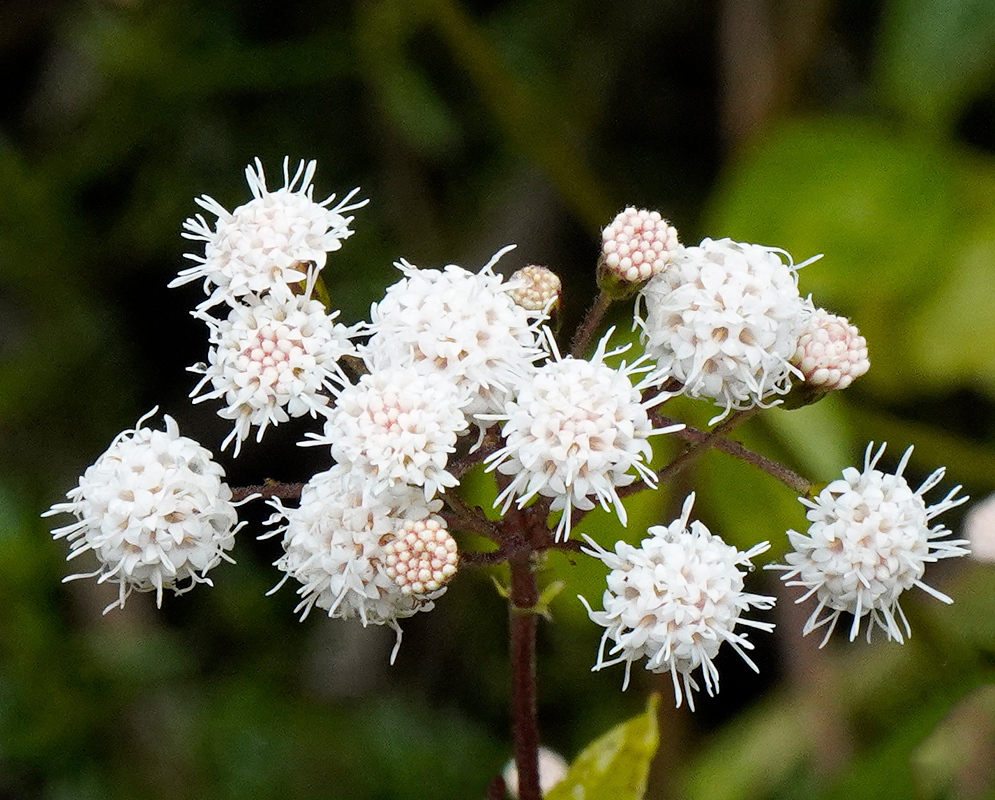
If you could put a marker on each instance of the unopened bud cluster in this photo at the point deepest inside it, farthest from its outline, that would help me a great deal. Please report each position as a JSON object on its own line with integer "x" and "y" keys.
{"x": 637, "y": 245}
{"x": 831, "y": 353}
{"x": 421, "y": 557}
{"x": 537, "y": 288}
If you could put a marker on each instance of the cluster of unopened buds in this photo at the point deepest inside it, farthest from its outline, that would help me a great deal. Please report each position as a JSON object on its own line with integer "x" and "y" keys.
{"x": 456, "y": 368}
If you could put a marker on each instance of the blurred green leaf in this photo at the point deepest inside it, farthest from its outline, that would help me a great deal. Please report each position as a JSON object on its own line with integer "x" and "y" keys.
{"x": 883, "y": 209}
{"x": 960, "y": 311}
{"x": 406, "y": 96}
{"x": 616, "y": 766}
{"x": 880, "y": 207}
{"x": 751, "y": 757}
{"x": 935, "y": 55}
{"x": 818, "y": 436}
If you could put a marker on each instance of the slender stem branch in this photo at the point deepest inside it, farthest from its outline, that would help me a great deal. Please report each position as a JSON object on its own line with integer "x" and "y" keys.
{"x": 482, "y": 559}
{"x": 460, "y": 516}
{"x": 702, "y": 441}
{"x": 699, "y": 444}
{"x": 582, "y": 336}
{"x": 524, "y": 717}
{"x": 285, "y": 491}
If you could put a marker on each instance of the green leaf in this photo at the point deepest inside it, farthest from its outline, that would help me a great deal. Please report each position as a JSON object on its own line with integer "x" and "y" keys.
{"x": 879, "y": 206}
{"x": 615, "y": 766}
{"x": 936, "y": 55}
{"x": 959, "y": 312}
{"x": 882, "y": 209}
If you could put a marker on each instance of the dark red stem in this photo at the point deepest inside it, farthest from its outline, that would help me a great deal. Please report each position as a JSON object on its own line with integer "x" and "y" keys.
{"x": 522, "y": 622}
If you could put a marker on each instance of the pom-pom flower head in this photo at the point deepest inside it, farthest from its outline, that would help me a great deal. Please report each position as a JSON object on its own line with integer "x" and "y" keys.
{"x": 459, "y": 324}
{"x": 334, "y": 547}
{"x": 573, "y": 432}
{"x": 268, "y": 243}
{"x": 723, "y": 321}
{"x": 273, "y": 358}
{"x": 870, "y": 540}
{"x": 674, "y": 600}
{"x": 397, "y": 427}
{"x": 154, "y": 511}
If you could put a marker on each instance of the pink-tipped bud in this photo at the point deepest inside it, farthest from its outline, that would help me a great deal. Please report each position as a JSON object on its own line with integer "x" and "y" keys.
{"x": 538, "y": 288}
{"x": 831, "y": 353}
{"x": 637, "y": 245}
{"x": 421, "y": 557}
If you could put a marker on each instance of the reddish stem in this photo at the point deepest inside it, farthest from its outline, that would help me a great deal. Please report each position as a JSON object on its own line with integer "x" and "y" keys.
{"x": 285, "y": 491}
{"x": 586, "y": 329}
{"x": 522, "y": 622}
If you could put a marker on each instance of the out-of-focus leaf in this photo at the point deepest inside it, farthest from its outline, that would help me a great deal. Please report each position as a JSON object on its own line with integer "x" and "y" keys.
{"x": 934, "y": 447}
{"x": 405, "y": 95}
{"x": 818, "y": 436}
{"x": 959, "y": 312}
{"x": 881, "y": 208}
{"x": 957, "y": 760}
{"x": 935, "y": 55}
{"x": 616, "y": 766}
{"x": 744, "y": 505}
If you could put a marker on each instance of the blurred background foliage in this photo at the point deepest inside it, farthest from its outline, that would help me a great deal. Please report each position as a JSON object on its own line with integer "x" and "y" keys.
{"x": 861, "y": 130}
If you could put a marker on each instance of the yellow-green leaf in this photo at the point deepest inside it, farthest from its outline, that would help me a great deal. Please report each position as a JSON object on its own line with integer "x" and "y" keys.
{"x": 615, "y": 766}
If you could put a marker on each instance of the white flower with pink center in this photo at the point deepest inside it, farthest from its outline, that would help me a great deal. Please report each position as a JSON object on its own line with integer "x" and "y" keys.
{"x": 269, "y": 243}
{"x": 869, "y": 541}
{"x": 155, "y": 512}
{"x": 397, "y": 427}
{"x": 723, "y": 321}
{"x": 333, "y": 545}
{"x": 573, "y": 433}
{"x": 675, "y": 600}
{"x": 462, "y": 325}
{"x": 273, "y": 358}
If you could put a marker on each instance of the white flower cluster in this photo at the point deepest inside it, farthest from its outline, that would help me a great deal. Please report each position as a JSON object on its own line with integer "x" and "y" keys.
{"x": 273, "y": 358}
{"x": 674, "y": 600}
{"x": 275, "y": 354}
{"x": 574, "y": 432}
{"x": 870, "y": 540}
{"x": 155, "y": 512}
{"x": 396, "y": 428}
{"x": 270, "y": 243}
{"x": 724, "y": 321}
{"x": 461, "y": 325}
{"x": 450, "y": 349}
{"x": 334, "y": 543}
